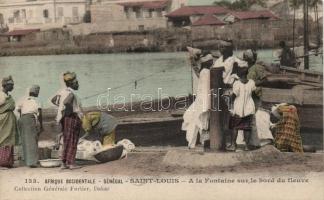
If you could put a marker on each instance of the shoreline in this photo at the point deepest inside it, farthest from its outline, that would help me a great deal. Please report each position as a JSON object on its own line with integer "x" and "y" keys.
{"x": 49, "y": 49}
{"x": 65, "y": 51}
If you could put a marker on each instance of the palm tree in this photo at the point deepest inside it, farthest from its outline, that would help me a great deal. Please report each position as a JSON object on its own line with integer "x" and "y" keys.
{"x": 240, "y": 4}
{"x": 223, "y": 3}
{"x": 314, "y": 4}
{"x": 295, "y": 4}
{"x": 258, "y": 2}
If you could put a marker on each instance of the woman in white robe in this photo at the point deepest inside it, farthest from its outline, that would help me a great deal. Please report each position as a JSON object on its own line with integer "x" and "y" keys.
{"x": 196, "y": 118}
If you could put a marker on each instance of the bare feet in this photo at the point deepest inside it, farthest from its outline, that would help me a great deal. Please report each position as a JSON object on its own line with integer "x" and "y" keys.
{"x": 64, "y": 166}
{"x": 232, "y": 147}
{"x": 72, "y": 167}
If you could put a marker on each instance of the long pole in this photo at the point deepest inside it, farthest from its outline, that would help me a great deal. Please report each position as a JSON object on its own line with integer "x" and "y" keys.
{"x": 54, "y": 5}
{"x": 306, "y": 40}
{"x": 192, "y": 74}
{"x": 317, "y": 26}
{"x": 218, "y": 109}
{"x": 294, "y": 24}
{"x": 287, "y": 15}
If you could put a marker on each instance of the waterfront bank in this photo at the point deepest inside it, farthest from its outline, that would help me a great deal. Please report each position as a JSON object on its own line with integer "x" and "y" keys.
{"x": 63, "y": 41}
{"x": 160, "y": 70}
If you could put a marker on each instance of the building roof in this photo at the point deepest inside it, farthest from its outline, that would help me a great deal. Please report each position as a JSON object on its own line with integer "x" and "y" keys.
{"x": 21, "y": 32}
{"x": 187, "y": 11}
{"x": 208, "y": 20}
{"x": 146, "y": 4}
{"x": 244, "y": 15}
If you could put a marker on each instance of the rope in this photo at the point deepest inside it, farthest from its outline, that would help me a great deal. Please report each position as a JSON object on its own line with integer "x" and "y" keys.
{"x": 123, "y": 85}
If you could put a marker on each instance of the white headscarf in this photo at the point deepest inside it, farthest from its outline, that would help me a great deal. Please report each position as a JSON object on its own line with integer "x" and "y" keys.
{"x": 206, "y": 58}
{"x": 274, "y": 109}
{"x": 249, "y": 54}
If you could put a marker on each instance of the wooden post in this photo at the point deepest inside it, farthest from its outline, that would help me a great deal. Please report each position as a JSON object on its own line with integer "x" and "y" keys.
{"x": 216, "y": 114}
{"x": 306, "y": 37}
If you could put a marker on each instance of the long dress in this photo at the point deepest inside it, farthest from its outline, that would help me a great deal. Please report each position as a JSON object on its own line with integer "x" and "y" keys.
{"x": 244, "y": 108}
{"x": 71, "y": 125}
{"x": 8, "y": 129}
{"x": 196, "y": 118}
{"x": 261, "y": 119}
{"x": 288, "y": 130}
{"x": 29, "y": 129}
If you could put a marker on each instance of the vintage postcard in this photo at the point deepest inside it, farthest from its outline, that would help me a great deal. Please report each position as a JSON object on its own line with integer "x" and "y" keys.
{"x": 161, "y": 99}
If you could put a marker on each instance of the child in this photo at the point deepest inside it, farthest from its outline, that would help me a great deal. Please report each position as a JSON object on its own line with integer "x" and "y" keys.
{"x": 243, "y": 109}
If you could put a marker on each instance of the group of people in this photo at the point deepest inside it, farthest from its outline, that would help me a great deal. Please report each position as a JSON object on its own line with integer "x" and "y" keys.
{"x": 242, "y": 81}
{"x": 26, "y": 130}
{"x": 30, "y": 125}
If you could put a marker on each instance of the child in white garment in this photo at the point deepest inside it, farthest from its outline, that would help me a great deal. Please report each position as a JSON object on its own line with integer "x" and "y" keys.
{"x": 243, "y": 109}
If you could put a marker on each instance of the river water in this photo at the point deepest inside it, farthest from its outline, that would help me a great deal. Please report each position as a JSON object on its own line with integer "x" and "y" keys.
{"x": 131, "y": 77}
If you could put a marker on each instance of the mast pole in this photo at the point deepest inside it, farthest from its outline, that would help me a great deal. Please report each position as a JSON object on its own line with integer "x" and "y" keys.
{"x": 54, "y": 7}
{"x": 306, "y": 39}
{"x": 294, "y": 24}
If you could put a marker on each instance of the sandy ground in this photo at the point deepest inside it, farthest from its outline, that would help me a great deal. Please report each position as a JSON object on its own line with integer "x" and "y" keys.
{"x": 175, "y": 179}
{"x": 149, "y": 162}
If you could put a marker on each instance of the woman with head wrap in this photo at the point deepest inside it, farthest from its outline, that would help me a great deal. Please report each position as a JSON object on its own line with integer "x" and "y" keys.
{"x": 261, "y": 134}
{"x": 256, "y": 72}
{"x": 69, "y": 115}
{"x": 30, "y": 125}
{"x": 287, "y": 134}
{"x": 196, "y": 118}
{"x": 100, "y": 126}
{"x": 8, "y": 123}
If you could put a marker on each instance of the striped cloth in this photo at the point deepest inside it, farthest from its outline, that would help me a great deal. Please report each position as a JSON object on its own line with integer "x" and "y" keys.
{"x": 241, "y": 123}
{"x": 6, "y": 156}
{"x": 288, "y": 130}
{"x": 71, "y": 131}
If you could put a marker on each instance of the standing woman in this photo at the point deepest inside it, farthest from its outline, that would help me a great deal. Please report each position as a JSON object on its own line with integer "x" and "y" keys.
{"x": 69, "y": 115}
{"x": 8, "y": 123}
{"x": 196, "y": 117}
{"x": 30, "y": 125}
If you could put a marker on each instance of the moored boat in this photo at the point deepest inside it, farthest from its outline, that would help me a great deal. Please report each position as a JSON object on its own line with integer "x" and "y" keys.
{"x": 302, "y": 88}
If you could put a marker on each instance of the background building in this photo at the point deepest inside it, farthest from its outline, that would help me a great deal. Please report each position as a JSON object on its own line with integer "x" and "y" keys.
{"x": 187, "y": 15}
{"x": 131, "y": 15}
{"x": 43, "y": 14}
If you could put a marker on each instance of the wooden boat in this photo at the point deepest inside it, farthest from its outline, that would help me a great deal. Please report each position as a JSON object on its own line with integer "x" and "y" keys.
{"x": 143, "y": 128}
{"x": 302, "y": 88}
{"x": 163, "y": 128}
